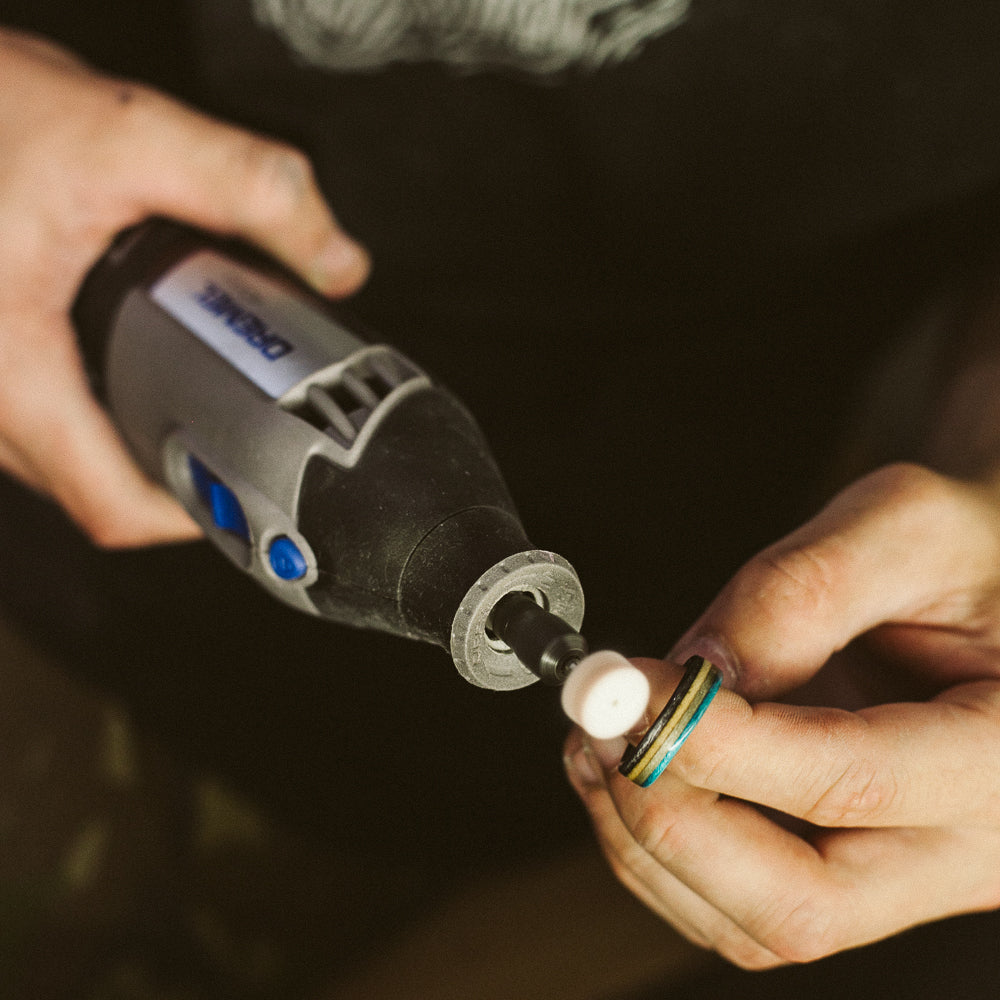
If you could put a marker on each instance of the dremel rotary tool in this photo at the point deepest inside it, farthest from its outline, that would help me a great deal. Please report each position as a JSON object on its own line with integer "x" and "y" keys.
{"x": 332, "y": 469}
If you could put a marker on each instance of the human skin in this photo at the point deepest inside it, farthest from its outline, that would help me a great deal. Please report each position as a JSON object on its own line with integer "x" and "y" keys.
{"x": 783, "y": 832}
{"x": 85, "y": 156}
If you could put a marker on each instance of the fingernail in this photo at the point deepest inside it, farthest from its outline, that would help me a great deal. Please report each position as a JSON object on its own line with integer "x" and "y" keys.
{"x": 340, "y": 259}
{"x": 608, "y": 753}
{"x": 595, "y": 758}
{"x": 714, "y": 649}
{"x": 584, "y": 767}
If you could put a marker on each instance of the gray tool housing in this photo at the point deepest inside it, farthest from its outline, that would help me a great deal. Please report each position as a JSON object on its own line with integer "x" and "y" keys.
{"x": 334, "y": 471}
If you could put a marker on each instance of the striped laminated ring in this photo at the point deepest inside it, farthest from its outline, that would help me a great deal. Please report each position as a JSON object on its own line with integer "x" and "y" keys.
{"x": 644, "y": 763}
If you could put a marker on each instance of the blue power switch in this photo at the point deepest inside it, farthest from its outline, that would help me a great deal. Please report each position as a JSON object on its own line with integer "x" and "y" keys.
{"x": 287, "y": 559}
{"x": 227, "y": 512}
{"x": 225, "y": 509}
{"x": 202, "y": 479}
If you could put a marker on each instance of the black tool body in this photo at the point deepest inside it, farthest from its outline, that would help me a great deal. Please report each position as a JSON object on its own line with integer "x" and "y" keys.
{"x": 330, "y": 468}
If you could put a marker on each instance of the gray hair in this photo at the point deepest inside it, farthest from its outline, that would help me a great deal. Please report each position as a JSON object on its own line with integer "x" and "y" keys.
{"x": 538, "y": 36}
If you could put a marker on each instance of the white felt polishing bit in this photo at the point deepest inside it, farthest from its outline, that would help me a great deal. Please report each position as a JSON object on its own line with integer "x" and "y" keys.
{"x": 605, "y": 695}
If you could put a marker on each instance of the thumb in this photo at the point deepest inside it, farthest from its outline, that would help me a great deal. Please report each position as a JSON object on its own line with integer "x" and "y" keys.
{"x": 191, "y": 167}
{"x": 903, "y": 545}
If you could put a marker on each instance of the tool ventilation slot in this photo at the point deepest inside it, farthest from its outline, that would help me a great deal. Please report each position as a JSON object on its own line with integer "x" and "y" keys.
{"x": 342, "y": 406}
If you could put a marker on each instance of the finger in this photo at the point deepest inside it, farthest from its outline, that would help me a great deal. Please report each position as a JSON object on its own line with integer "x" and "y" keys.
{"x": 890, "y": 765}
{"x": 39, "y": 47}
{"x": 880, "y": 552}
{"x": 103, "y": 491}
{"x": 803, "y": 901}
{"x": 60, "y": 441}
{"x": 651, "y": 883}
{"x": 178, "y": 162}
{"x": 13, "y": 462}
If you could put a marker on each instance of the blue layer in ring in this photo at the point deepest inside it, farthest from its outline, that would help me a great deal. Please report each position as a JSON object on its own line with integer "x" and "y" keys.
{"x": 644, "y": 763}
{"x": 670, "y": 752}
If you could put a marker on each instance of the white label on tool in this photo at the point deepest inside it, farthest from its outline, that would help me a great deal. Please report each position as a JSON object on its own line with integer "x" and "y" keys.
{"x": 262, "y": 327}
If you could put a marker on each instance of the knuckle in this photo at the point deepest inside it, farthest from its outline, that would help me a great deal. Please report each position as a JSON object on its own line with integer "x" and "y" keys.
{"x": 128, "y": 108}
{"x": 708, "y": 768}
{"x": 790, "y": 580}
{"x": 792, "y": 584}
{"x": 909, "y": 497}
{"x": 807, "y": 931}
{"x": 859, "y": 795}
{"x": 136, "y": 98}
{"x": 276, "y": 178}
{"x": 120, "y": 119}
{"x": 660, "y": 833}
{"x": 907, "y": 484}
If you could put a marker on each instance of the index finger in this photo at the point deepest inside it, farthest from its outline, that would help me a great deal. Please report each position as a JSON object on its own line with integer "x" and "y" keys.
{"x": 56, "y": 437}
{"x": 181, "y": 163}
{"x": 904, "y": 764}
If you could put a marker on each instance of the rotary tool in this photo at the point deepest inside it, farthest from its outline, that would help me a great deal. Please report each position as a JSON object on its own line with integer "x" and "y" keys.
{"x": 325, "y": 464}
{"x": 343, "y": 478}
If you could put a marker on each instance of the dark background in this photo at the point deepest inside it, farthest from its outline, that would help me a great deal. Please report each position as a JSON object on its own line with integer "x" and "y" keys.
{"x": 659, "y": 289}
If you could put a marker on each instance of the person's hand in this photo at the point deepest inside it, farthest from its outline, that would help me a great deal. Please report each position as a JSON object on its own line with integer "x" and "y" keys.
{"x": 784, "y": 833}
{"x": 84, "y": 156}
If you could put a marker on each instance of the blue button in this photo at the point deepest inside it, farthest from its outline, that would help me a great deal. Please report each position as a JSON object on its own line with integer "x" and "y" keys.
{"x": 287, "y": 559}
{"x": 202, "y": 479}
{"x": 227, "y": 512}
{"x": 222, "y": 504}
